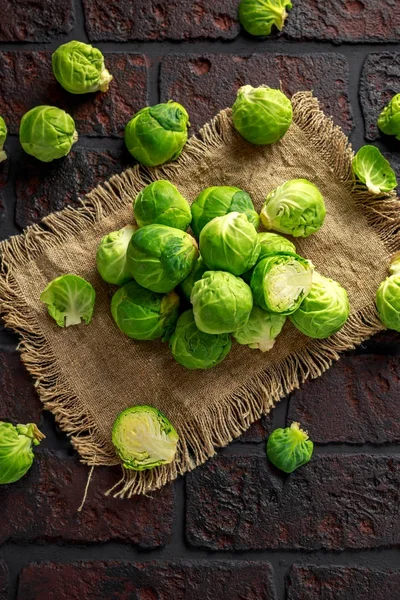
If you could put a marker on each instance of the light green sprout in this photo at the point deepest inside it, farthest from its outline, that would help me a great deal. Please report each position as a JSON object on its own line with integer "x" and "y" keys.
{"x": 259, "y": 16}
{"x": 16, "y": 454}
{"x": 388, "y": 297}
{"x": 160, "y": 202}
{"x": 260, "y": 330}
{"x": 289, "y": 448}
{"x": 70, "y": 299}
{"x": 374, "y": 170}
{"x": 47, "y": 132}
{"x": 389, "y": 119}
{"x": 111, "y": 256}
{"x": 3, "y": 137}
{"x": 80, "y": 68}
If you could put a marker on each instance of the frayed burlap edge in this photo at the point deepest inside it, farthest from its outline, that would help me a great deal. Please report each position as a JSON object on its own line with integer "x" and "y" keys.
{"x": 231, "y": 416}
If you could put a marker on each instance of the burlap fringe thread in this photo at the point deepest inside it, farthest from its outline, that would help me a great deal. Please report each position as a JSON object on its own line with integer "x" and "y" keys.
{"x": 232, "y": 416}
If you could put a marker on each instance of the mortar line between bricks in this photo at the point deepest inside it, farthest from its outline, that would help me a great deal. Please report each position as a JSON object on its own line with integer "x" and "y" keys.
{"x": 79, "y": 31}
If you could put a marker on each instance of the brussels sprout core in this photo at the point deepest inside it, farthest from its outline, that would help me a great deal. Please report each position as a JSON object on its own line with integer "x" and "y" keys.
{"x": 259, "y": 16}
{"x": 389, "y": 119}
{"x": 47, "y": 133}
{"x": 80, "y": 69}
{"x": 289, "y": 448}
{"x": 16, "y": 456}
{"x": 3, "y": 136}
{"x": 144, "y": 438}
{"x": 70, "y": 299}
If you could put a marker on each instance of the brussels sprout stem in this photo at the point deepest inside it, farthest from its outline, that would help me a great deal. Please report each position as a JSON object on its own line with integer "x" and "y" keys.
{"x": 75, "y": 137}
{"x": 3, "y": 155}
{"x": 31, "y": 431}
{"x": 105, "y": 80}
{"x": 298, "y": 434}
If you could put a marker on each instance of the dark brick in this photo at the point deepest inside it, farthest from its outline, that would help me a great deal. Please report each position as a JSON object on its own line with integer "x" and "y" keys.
{"x": 384, "y": 342}
{"x": 27, "y": 80}
{"x": 207, "y": 83}
{"x": 3, "y": 581}
{"x": 333, "y": 502}
{"x": 259, "y": 431}
{"x": 42, "y": 188}
{"x": 19, "y": 402}
{"x": 394, "y": 159}
{"x": 342, "y": 583}
{"x": 43, "y": 506}
{"x": 33, "y": 21}
{"x": 344, "y": 21}
{"x": 122, "y": 20}
{"x": 356, "y": 401}
{"x": 181, "y": 580}
{"x": 379, "y": 83}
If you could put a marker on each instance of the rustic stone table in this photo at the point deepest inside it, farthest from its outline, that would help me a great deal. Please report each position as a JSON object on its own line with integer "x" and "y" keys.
{"x": 234, "y": 529}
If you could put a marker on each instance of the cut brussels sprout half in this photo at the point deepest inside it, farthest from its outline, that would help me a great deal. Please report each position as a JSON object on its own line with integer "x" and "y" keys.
{"x": 389, "y": 119}
{"x": 80, "y": 69}
{"x": 271, "y": 243}
{"x": 374, "y": 170}
{"x": 160, "y": 202}
{"x": 111, "y": 256}
{"x": 70, "y": 300}
{"x": 144, "y": 438}
{"x": 16, "y": 454}
{"x": 3, "y": 137}
{"x": 289, "y": 448}
{"x": 47, "y": 133}
{"x": 258, "y": 17}
{"x": 260, "y": 330}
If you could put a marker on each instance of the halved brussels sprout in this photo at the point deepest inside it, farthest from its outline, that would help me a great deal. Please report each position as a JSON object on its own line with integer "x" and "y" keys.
{"x": 111, "y": 256}
{"x": 196, "y": 273}
{"x": 16, "y": 455}
{"x": 259, "y": 16}
{"x": 388, "y": 300}
{"x": 160, "y": 202}
{"x": 261, "y": 115}
{"x": 374, "y": 170}
{"x": 157, "y": 134}
{"x": 219, "y": 200}
{"x": 160, "y": 257}
{"x": 195, "y": 349}
{"x": 389, "y": 119}
{"x": 47, "y": 133}
{"x": 271, "y": 243}
{"x": 324, "y": 311}
{"x": 260, "y": 330}
{"x": 80, "y": 69}
{"x": 70, "y": 299}
{"x": 296, "y": 207}
{"x": 3, "y": 137}
{"x": 229, "y": 243}
{"x": 144, "y": 315}
{"x": 280, "y": 282}
{"x": 222, "y": 303}
{"x": 289, "y": 448}
{"x": 144, "y": 438}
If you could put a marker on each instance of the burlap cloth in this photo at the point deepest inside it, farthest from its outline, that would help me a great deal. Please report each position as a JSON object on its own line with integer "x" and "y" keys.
{"x": 86, "y": 375}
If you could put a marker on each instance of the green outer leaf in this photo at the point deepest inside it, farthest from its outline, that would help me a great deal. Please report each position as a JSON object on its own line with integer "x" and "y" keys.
{"x": 374, "y": 170}
{"x": 195, "y": 349}
{"x": 111, "y": 256}
{"x": 388, "y": 302}
{"x": 69, "y": 299}
{"x": 160, "y": 202}
{"x": 196, "y": 273}
{"x": 259, "y": 16}
{"x": 3, "y": 137}
{"x": 47, "y": 132}
{"x": 16, "y": 455}
{"x": 389, "y": 119}
{"x": 260, "y": 330}
{"x": 79, "y": 68}
{"x": 289, "y": 448}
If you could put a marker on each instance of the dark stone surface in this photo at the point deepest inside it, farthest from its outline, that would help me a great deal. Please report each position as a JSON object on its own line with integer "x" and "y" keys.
{"x": 313, "y": 582}
{"x": 183, "y": 580}
{"x": 44, "y": 506}
{"x": 35, "y": 21}
{"x": 205, "y": 84}
{"x": 259, "y": 431}
{"x": 4, "y": 166}
{"x": 19, "y": 402}
{"x": 333, "y": 502}
{"x": 3, "y": 581}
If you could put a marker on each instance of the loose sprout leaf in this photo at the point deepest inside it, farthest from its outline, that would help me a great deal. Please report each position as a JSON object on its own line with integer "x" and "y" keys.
{"x": 374, "y": 170}
{"x": 70, "y": 299}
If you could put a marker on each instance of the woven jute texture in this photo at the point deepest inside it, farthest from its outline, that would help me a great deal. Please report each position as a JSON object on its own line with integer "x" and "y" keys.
{"x": 86, "y": 375}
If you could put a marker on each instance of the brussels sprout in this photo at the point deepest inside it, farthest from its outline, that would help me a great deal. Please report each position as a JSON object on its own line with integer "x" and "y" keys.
{"x": 160, "y": 257}
{"x": 280, "y": 282}
{"x": 195, "y": 349}
{"x": 111, "y": 256}
{"x": 374, "y": 170}
{"x": 80, "y": 69}
{"x": 389, "y": 119}
{"x": 388, "y": 302}
{"x": 296, "y": 207}
{"x": 324, "y": 311}
{"x": 261, "y": 329}
{"x": 289, "y": 448}
{"x": 3, "y": 136}
{"x": 261, "y": 115}
{"x": 47, "y": 132}
{"x": 144, "y": 438}
{"x": 230, "y": 243}
{"x": 16, "y": 455}
{"x": 222, "y": 303}
{"x": 69, "y": 299}
{"x": 219, "y": 200}
{"x": 394, "y": 268}
{"x": 271, "y": 243}
{"x": 160, "y": 202}
{"x": 157, "y": 134}
{"x": 197, "y": 273}
{"x": 144, "y": 315}
{"x": 259, "y": 16}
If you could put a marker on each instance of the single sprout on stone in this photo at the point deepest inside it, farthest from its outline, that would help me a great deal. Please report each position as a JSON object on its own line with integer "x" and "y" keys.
{"x": 281, "y": 282}
{"x": 261, "y": 115}
{"x": 70, "y": 300}
{"x": 259, "y": 16}
{"x": 296, "y": 208}
{"x": 229, "y": 243}
{"x": 144, "y": 315}
{"x": 324, "y": 311}
{"x": 157, "y": 134}
{"x": 161, "y": 257}
{"x": 219, "y": 200}
{"x": 260, "y": 330}
{"x": 374, "y": 170}
{"x": 3, "y": 137}
{"x": 289, "y": 448}
{"x": 80, "y": 68}
{"x": 47, "y": 132}
{"x": 222, "y": 303}
{"x": 388, "y": 297}
{"x": 16, "y": 454}
{"x": 144, "y": 438}
{"x": 271, "y": 243}
{"x": 196, "y": 273}
{"x": 389, "y": 119}
{"x": 160, "y": 202}
{"x": 111, "y": 256}
{"x": 195, "y": 349}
